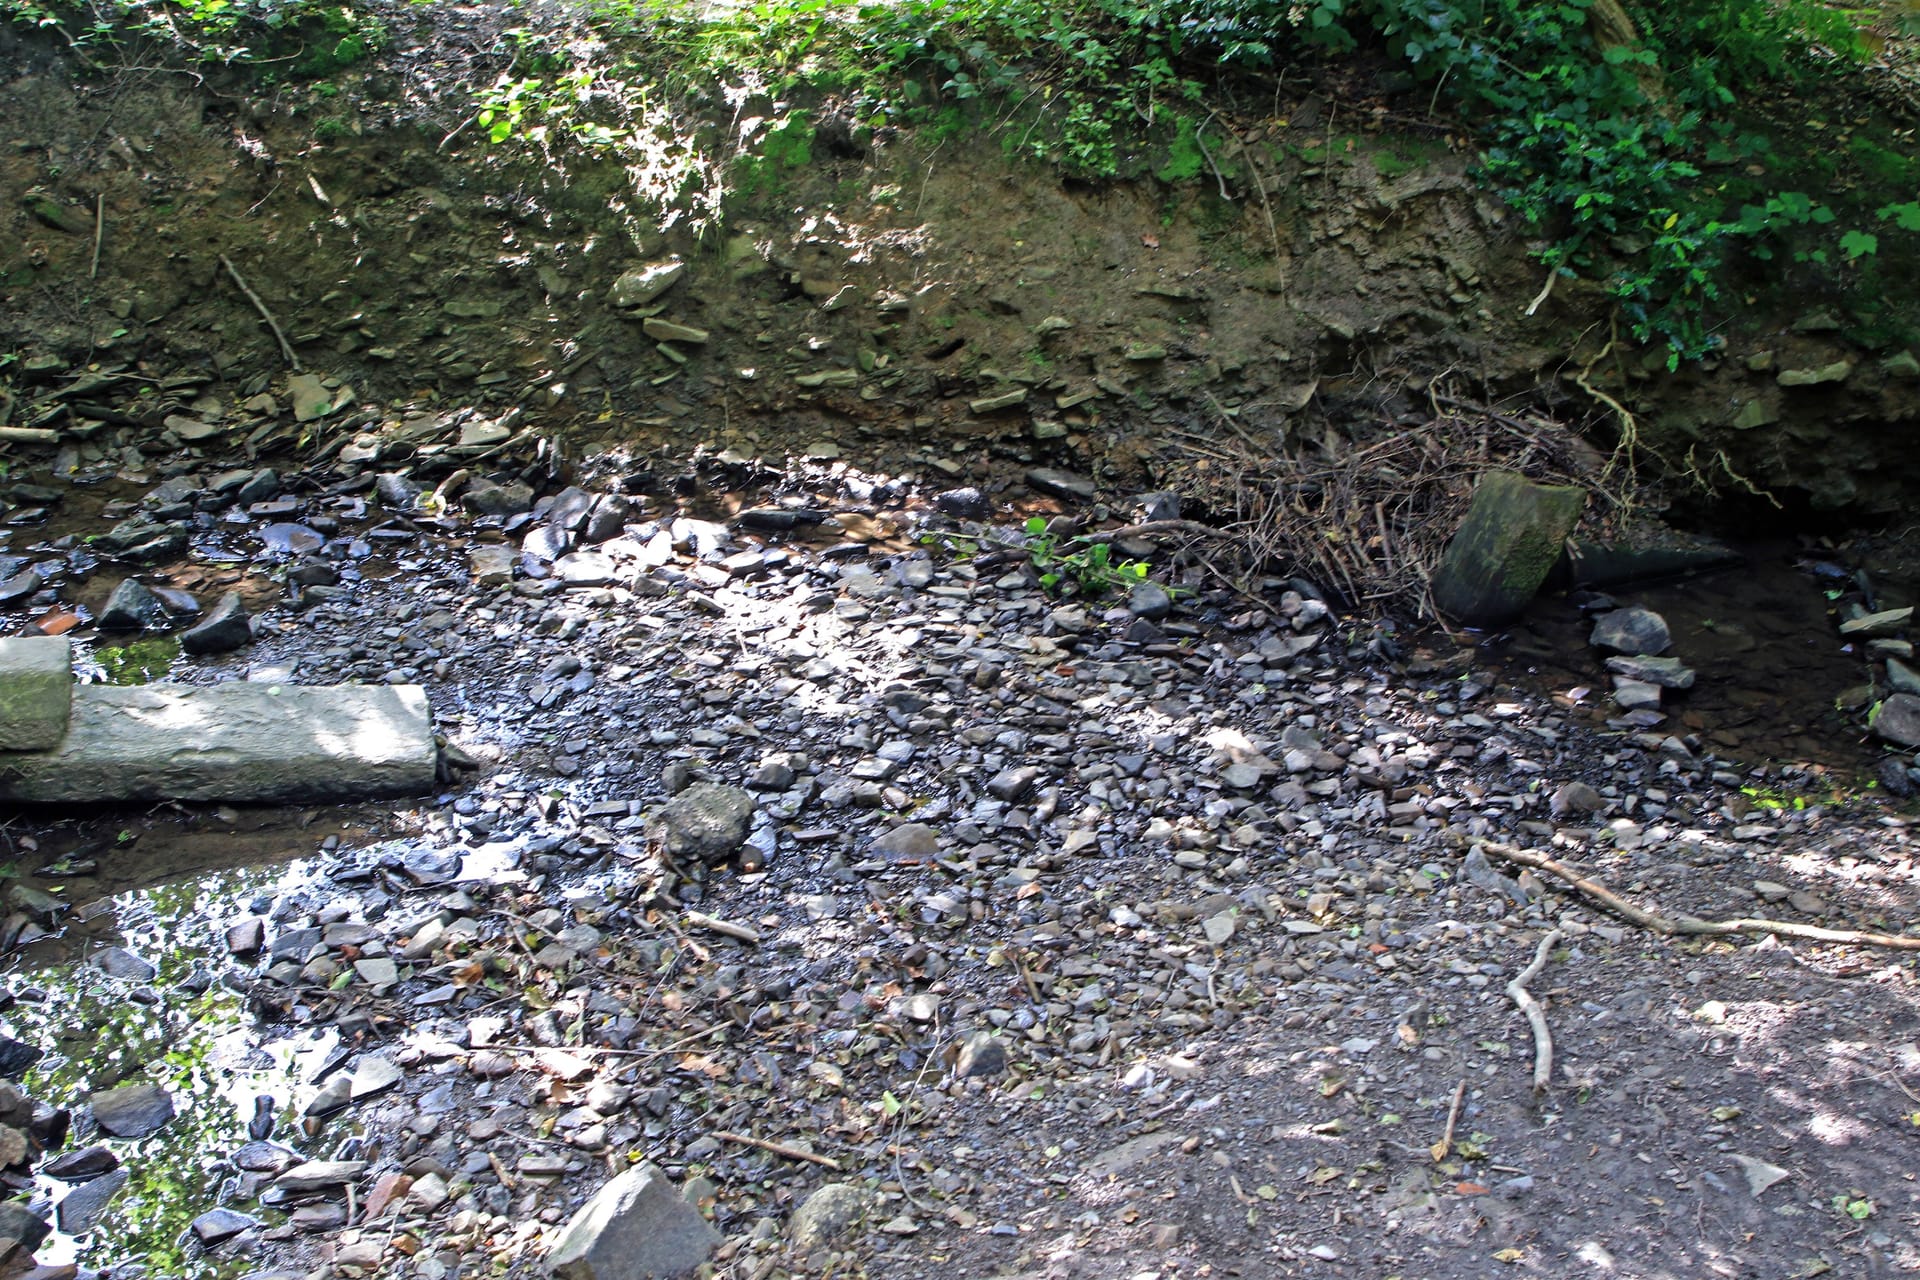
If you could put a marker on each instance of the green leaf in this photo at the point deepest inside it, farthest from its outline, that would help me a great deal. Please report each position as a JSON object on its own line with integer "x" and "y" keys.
{"x": 1859, "y": 244}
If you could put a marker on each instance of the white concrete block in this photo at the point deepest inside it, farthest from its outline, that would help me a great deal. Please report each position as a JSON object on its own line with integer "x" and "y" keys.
{"x": 238, "y": 741}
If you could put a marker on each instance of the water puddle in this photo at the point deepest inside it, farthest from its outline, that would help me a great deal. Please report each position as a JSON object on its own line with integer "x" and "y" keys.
{"x": 172, "y": 1020}
{"x": 1776, "y": 682}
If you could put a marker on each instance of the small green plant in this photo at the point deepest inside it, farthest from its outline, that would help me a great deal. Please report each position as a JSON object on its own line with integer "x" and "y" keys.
{"x": 1088, "y": 566}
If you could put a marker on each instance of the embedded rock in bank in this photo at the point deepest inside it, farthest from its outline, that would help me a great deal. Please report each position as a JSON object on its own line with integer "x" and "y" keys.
{"x": 238, "y": 741}
{"x": 1898, "y": 720}
{"x": 637, "y": 1227}
{"x": 131, "y": 1111}
{"x": 828, "y": 1214}
{"x": 1511, "y": 537}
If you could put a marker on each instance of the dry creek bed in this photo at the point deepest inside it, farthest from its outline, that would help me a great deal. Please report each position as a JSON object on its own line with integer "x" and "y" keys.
{"x": 1074, "y": 942}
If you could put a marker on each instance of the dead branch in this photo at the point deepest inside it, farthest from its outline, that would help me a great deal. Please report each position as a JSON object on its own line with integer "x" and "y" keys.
{"x": 1689, "y": 926}
{"x": 780, "y": 1149}
{"x": 99, "y": 230}
{"x": 1535, "y": 1015}
{"x": 286, "y": 348}
{"x": 1440, "y": 1150}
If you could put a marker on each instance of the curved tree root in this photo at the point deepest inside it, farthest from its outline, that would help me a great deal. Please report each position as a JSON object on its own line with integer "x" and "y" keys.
{"x": 1688, "y": 926}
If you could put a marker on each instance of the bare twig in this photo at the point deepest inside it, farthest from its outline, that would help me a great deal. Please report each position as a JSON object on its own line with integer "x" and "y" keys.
{"x": 1536, "y": 1016}
{"x": 1688, "y": 926}
{"x": 286, "y": 348}
{"x": 1540, "y": 298}
{"x": 99, "y": 230}
{"x": 1218, "y": 177}
{"x": 780, "y": 1149}
{"x": 1441, "y": 1149}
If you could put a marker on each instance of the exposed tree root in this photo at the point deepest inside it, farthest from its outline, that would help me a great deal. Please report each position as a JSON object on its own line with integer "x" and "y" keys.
{"x": 1688, "y": 926}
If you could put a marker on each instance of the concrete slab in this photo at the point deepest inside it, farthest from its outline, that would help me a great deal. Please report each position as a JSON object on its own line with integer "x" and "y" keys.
{"x": 36, "y": 684}
{"x": 237, "y": 741}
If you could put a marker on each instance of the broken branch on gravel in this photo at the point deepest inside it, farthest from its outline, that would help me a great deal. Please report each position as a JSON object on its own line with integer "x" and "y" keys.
{"x": 286, "y": 348}
{"x": 1536, "y": 1016}
{"x": 780, "y": 1149}
{"x": 1688, "y": 926}
{"x": 1440, "y": 1150}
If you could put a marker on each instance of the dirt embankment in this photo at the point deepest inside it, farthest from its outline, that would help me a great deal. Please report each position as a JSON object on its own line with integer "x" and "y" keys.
{"x": 911, "y": 302}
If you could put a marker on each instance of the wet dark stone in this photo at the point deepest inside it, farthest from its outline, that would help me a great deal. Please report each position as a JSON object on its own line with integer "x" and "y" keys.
{"x": 132, "y": 607}
{"x": 15, "y": 1058}
{"x": 131, "y": 1111}
{"x": 225, "y": 629}
{"x": 966, "y": 503}
{"x": 80, "y": 1212}
{"x": 81, "y": 1165}
{"x": 20, "y": 1228}
{"x": 20, "y": 586}
{"x": 216, "y": 1225}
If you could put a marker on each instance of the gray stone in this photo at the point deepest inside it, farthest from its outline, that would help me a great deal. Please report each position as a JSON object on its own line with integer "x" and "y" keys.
{"x": 36, "y": 691}
{"x": 1898, "y": 720}
{"x": 706, "y": 821}
{"x": 1149, "y": 600}
{"x": 1513, "y": 534}
{"x": 319, "y": 1175}
{"x": 223, "y": 630}
{"x": 20, "y": 1228}
{"x": 1004, "y": 400}
{"x": 216, "y": 1225}
{"x": 667, "y": 331}
{"x": 1633, "y": 694}
{"x": 1901, "y": 677}
{"x": 1012, "y": 783}
{"x": 15, "y": 1057}
{"x": 19, "y": 586}
{"x": 636, "y": 1227}
{"x": 909, "y": 840}
{"x": 492, "y": 564}
{"x": 1668, "y": 673}
{"x": 1061, "y": 484}
{"x": 483, "y": 497}
{"x": 143, "y": 540}
{"x": 641, "y": 285}
{"x": 1575, "y": 798}
{"x": 118, "y": 962}
{"x": 1874, "y": 624}
{"x": 238, "y": 741}
{"x": 79, "y": 1211}
{"x": 78, "y": 1166}
{"x": 131, "y": 1111}
{"x": 982, "y": 1055}
{"x": 828, "y": 1214}
{"x": 1633, "y": 630}
{"x": 963, "y": 504}
{"x": 1838, "y": 371}
{"x": 132, "y": 607}
{"x": 310, "y": 397}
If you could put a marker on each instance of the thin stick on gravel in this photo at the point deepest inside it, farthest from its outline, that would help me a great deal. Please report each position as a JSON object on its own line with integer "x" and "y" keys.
{"x": 1441, "y": 1149}
{"x": 99, "y": 230}
{"x": 286, "y": 348}
{"x": 1688, "y": 926}
{"x": 1536, "y": 1016}
{"x": 780, "y": 1149}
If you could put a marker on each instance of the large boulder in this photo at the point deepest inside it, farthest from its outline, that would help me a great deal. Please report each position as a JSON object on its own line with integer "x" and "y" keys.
{"x": 637, "y": 1227}
{"x": 1513, "y": 534}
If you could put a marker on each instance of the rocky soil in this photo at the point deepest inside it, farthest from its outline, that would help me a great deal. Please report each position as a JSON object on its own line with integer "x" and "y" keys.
{"x": 800, "y": 848}
{"x": 907, "y": 918}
